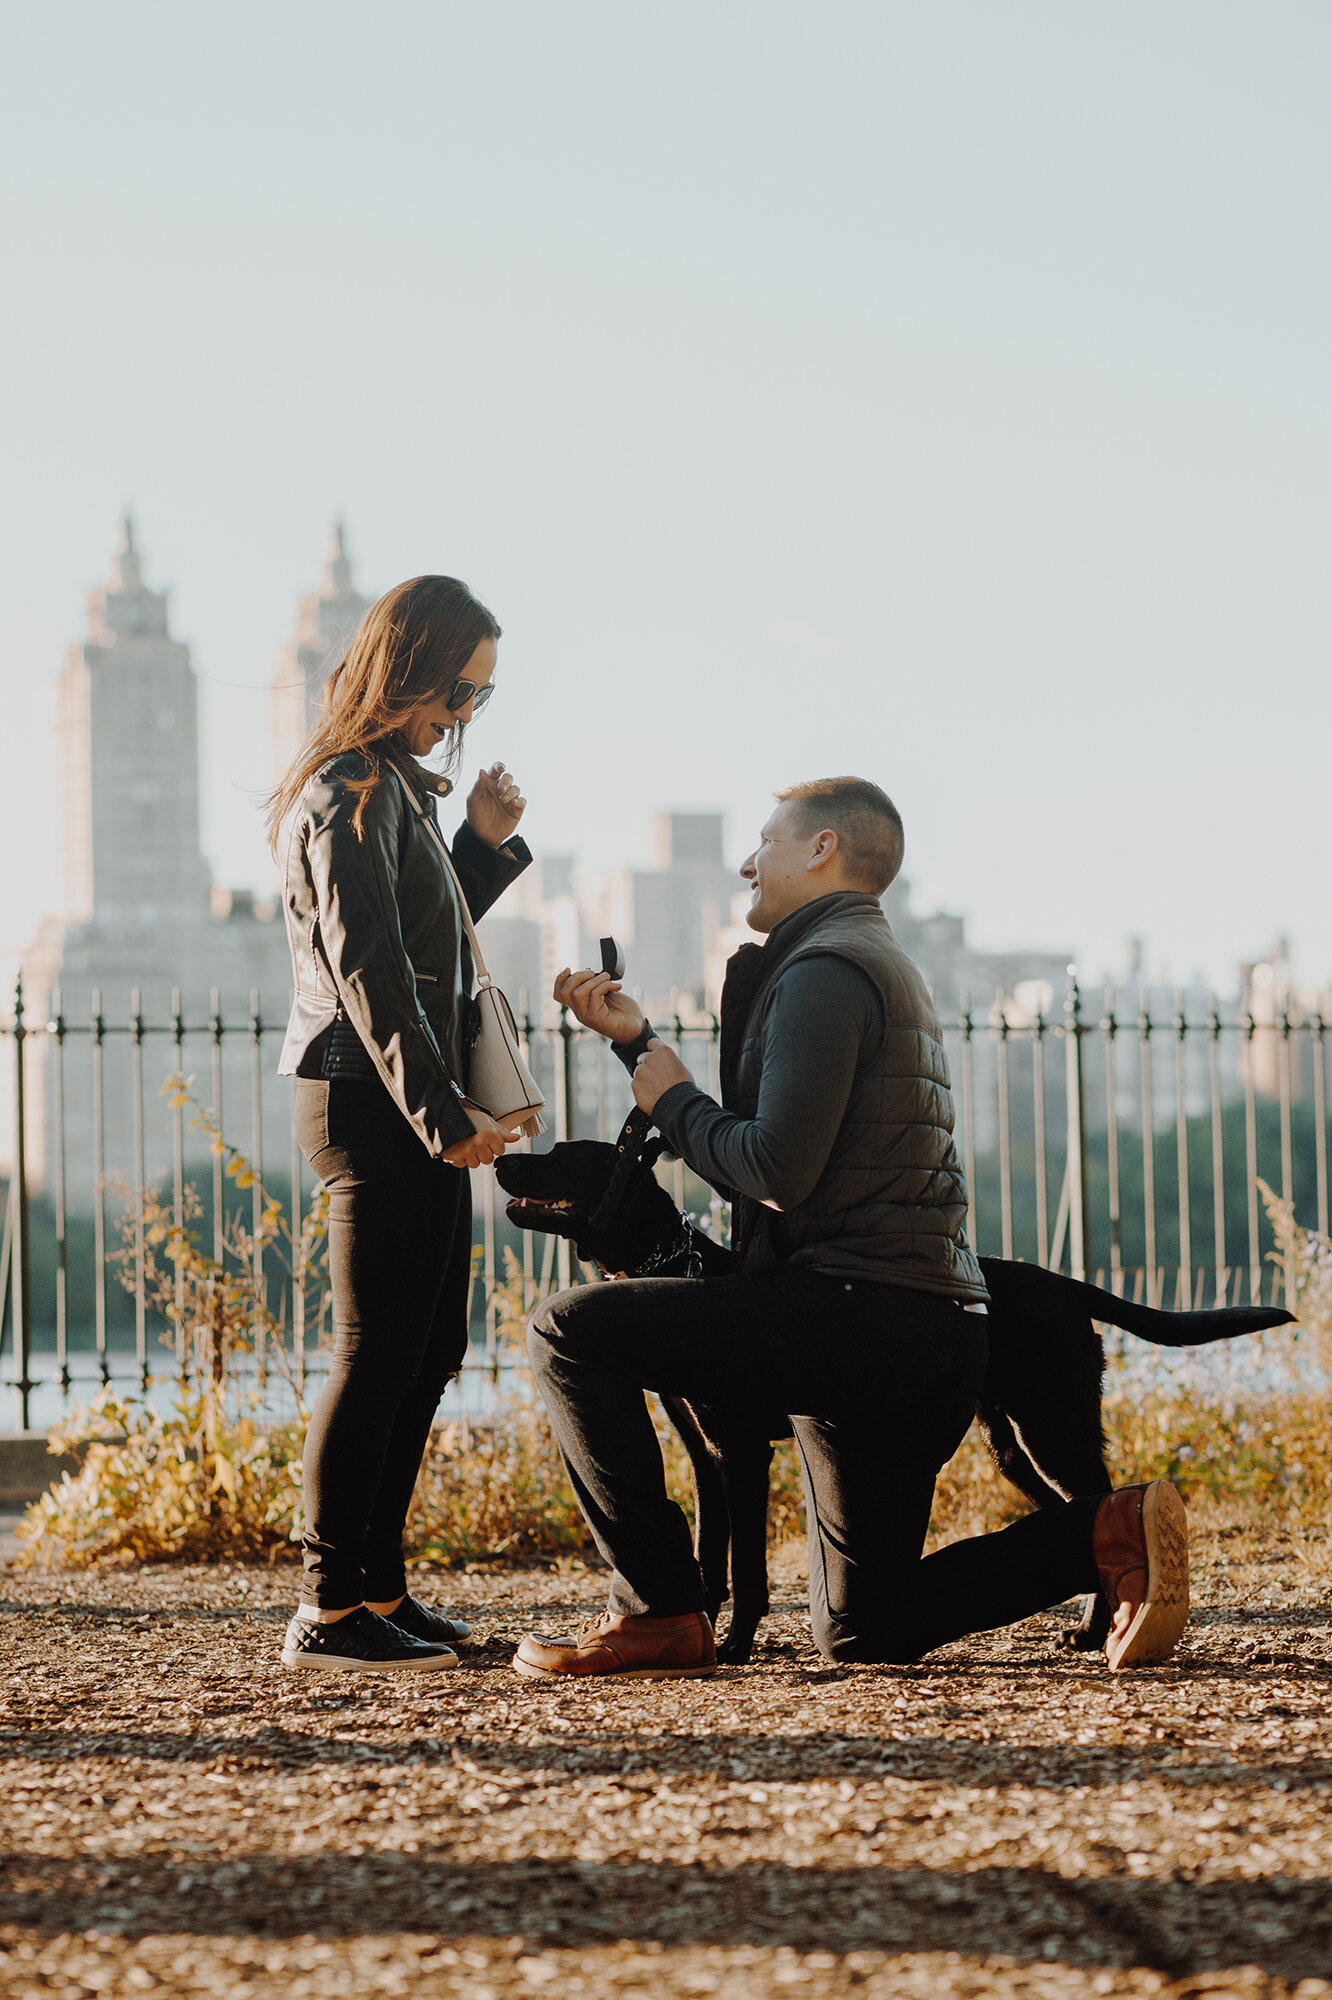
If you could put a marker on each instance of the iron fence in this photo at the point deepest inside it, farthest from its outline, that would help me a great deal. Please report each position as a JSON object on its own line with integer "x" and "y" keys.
{"x": 1124, "y": 1141}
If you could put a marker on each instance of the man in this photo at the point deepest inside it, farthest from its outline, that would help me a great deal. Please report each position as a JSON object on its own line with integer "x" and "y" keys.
{"x": 853, "y": 1298}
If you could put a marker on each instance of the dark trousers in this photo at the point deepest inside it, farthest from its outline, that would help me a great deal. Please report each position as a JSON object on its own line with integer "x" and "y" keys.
{"x": 399, "y": 1256}
{"x": 890, "y": 1376}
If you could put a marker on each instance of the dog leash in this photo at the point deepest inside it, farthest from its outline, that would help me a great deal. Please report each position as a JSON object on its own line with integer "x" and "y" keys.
{"x": 634, "y": 1153}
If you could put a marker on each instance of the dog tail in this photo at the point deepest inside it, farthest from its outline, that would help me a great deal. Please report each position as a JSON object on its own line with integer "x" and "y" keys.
{"x": 1036, "y": 1287}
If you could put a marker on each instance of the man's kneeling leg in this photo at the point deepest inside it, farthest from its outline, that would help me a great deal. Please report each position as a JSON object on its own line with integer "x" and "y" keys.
{"x": 867, "y": 1515}
{"x": 873, "y": 1597}
{"x": 874, "y": 1600}
{"x": 610, "y": 1449}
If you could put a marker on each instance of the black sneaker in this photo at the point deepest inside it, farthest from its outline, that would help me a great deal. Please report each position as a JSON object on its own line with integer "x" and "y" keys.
{"x": 424, "y": 1624}
{"x": 361, "y": 1643}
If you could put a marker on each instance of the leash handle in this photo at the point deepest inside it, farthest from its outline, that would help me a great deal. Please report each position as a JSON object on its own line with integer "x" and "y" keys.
{"x": 631, "y": 1157}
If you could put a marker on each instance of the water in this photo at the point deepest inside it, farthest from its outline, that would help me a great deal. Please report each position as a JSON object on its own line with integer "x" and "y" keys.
{"x": 480, "y": 1387}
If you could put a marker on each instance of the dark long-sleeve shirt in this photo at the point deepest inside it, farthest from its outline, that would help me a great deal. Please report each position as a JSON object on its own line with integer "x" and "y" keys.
{"x": 824, "y": 1018}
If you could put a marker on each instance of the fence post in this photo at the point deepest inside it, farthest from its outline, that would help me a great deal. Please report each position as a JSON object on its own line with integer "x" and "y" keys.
{"x": 1285, "y": 1056}
{"x": 1005, "y": 1130}
{"x": 219, "y": 1185}
{"x": 258, "y": 1192}
{"x": 966, "y": 1025}
{"x": 1077, "y": 1128}
{"x": 1038, "y": 1134}
{"x": 1109, "y": 1029}
{"x": 55, "y": 1028}
{"x": 1249, "y": 1028}
{"x": 565, "y": 1108}
{"x": 1184, "y": 1272}
{"x": 1320, "y": 1117}
{"x": 97, "y": 1029}
{"x": 20, "y": 1278}
{"x": 1221, "y": 1288}
{"x": 140, "y": 1189}
{"x": 178, "y": 1179}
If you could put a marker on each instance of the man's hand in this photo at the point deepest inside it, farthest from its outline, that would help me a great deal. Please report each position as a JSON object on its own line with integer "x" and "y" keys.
{"x": 595, "y": 999}
{"x": 655, "y": 1072}
{"x": 486, "y": 1144}
{"x": 494, "y": 806}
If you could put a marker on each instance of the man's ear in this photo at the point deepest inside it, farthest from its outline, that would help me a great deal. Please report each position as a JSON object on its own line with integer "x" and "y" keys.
{"x": 824, "y": 849}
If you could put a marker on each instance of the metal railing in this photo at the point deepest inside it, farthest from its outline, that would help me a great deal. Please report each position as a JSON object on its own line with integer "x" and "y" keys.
{"x": 1123, "y": 1141}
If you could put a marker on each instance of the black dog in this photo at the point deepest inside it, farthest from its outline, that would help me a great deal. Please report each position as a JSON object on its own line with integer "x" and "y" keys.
{"x": 1039, "y": 1407}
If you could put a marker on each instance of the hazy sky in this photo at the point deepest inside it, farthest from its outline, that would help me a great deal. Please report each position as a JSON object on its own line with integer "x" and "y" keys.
{"x": 936, "y": 391}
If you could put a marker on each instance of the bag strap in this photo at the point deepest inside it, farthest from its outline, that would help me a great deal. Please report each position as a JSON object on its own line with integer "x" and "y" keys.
{"x": 423, "y": 813}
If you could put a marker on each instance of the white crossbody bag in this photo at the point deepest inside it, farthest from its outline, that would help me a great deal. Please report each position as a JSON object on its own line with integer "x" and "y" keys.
{"x": 498, "y": 1080}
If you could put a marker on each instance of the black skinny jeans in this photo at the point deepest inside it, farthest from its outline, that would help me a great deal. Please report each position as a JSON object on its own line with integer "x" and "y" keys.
{"x": 399, "y": 1255}
{"x": 892, "y": 1375}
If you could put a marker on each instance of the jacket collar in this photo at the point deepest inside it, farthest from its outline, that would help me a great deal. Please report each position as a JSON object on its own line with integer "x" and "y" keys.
{"x": 783, "y": 937}
{"x": 427, "y": 785}
{"x": 754, "y": 966}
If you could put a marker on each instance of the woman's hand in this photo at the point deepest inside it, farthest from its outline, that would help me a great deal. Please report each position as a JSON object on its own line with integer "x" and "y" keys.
{"x": 494, "y": 806}
{"x": 655, "y": 1072}
{"x": 486, "y": 1144}
{"x": 595, "y": 999}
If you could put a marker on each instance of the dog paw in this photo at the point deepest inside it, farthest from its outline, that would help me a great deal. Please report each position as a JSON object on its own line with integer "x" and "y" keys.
{"x": 1089, "y": 1636}
{"x": 736, "y": 1649}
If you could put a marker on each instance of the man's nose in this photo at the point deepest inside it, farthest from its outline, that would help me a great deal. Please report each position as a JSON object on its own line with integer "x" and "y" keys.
{"x": 747, "y": 868}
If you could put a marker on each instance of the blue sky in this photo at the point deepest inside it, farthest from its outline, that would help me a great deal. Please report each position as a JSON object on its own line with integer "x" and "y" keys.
{"x": 937, "y": 391}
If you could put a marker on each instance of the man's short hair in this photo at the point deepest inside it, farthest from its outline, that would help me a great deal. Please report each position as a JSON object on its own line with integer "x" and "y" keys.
{"x": 867, "y": 824}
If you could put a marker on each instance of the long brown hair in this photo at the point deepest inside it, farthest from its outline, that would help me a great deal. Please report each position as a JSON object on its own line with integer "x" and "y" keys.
{"x": 411, "y": 646}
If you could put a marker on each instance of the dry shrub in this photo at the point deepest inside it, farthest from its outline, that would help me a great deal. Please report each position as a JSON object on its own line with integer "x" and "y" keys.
{"x": 182, "y": 1487}
{"x": 494, "y": 1491}
{"x": 1276, "y": 1451}
{"x": 204, "y": 1480}
{"x": 1304, "y": 1258}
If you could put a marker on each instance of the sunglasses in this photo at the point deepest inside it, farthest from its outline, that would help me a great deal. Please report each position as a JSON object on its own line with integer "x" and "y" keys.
{"x": 464, "y": 691}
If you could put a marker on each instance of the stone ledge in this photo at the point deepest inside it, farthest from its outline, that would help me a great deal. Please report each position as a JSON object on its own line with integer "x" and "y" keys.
{"x": 27, "y": 1469}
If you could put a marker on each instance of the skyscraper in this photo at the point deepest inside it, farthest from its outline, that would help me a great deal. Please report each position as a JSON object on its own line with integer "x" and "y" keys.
{"x": 129, "y": 739}
{"x": 139, "y": 916}
{"x": 327, "y": 620}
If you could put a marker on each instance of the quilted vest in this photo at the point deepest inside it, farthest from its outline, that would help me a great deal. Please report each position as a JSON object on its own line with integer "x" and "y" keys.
{"x": 891, "y": 1203}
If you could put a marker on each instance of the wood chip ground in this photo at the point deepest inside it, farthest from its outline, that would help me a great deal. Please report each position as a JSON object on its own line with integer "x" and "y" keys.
{"x": 182, "y": 1817}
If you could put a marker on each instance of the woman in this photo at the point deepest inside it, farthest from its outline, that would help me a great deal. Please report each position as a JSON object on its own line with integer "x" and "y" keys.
{"x": 377, "y": 1042}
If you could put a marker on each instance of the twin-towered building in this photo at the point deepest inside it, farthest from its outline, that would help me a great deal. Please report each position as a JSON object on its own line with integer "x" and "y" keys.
{"x": 141, "y": 910}
{"x": 145, "y": 935}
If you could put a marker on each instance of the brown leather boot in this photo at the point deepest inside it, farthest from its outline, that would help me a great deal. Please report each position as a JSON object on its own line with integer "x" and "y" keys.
{"x": 653, "y": 1649}
{"x": 1140, "y": 1539}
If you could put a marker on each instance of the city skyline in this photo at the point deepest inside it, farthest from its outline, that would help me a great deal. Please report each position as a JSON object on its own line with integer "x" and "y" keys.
{"x": 934, "y": 393}
{"x": 324, "y": 621}
{"x": 143, "y": 909}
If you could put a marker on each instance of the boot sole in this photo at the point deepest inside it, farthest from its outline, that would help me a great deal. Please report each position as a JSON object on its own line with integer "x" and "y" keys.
{"x": 535, "y": 1673}
{"x": 329, "y": 1663}
{"x": 1161, "y": 1618}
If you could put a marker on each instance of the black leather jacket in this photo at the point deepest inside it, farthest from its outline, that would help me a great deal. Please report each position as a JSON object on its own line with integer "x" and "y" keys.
{"x": 375, "y": 933}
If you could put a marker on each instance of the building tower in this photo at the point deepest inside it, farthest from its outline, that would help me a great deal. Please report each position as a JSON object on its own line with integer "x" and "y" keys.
{"x": 328, "y": 619}
{"x": 139, "y": 917}
{"x": 129, "y": 736}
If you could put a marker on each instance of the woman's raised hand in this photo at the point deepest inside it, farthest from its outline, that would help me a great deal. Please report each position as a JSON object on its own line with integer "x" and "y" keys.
{"x": 494, "y": 806}
{"x": 486, "y": 1144}
{"x": 595, "y": 999}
